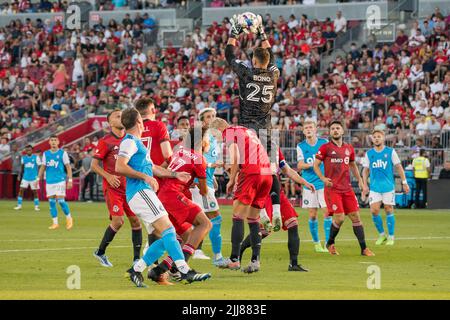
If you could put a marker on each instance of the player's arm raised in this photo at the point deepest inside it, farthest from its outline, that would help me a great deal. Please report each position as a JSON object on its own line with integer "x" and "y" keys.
{"x": 294, "y": 176}
{"x": 234, "y": 166}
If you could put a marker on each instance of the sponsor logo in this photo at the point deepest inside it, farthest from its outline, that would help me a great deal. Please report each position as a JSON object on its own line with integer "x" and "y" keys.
{"x": 116, "y": 147}
{"x": 52, "y": 163}
{"x": 333, "y": 152}
{"x": 336, "y": 160}
{"x": 379, "y": 164}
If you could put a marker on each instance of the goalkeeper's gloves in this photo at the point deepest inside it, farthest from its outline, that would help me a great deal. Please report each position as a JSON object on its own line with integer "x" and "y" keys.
{"x": 236, "y": 28}
{"x": 261, "y": 33}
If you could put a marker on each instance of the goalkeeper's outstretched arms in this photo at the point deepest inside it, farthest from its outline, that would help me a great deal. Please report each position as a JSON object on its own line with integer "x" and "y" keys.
{"x": 236, "y": 65}
{"x": 264, "y": 40}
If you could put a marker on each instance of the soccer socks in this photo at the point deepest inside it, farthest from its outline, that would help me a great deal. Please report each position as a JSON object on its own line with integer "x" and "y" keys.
{"x": 314, "y": 229}
{"x": 36, "y": 202}
{"x": 333, "y": 233}
{"x": 19, "y": 201}
{"x": 327, "y": 227}
{"x": 255, "y": 238}
{"x": 237, "y": 235}
{"x": 293, "y": 244}
{"x": 173, "y": 248}
{"x": 188, "y": 251}
{"x": 358, "y": 230}
{"x": 107, "y": 238}
{"x": 53, "y": 210}
{"x": 390, "y": 221}
{"x": 154, "y": 251}
{"x": 275, "y": 192}
{"x": 64, "y": 207}
{"x": 136, "y": 238}
{"x": 152, "y": 238}
{"x": 378, "y": 221}
{"x": 215, "y": 236}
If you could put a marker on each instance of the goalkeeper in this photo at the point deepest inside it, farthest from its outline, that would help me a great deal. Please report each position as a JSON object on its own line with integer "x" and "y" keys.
{"x": 257, "y": 90}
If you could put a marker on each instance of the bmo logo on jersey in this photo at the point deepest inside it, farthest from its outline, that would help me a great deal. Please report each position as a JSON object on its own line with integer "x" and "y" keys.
{"x": 52, "y": 163}
{"x": 379, "y": 164}
{"x": 346, "y": 160}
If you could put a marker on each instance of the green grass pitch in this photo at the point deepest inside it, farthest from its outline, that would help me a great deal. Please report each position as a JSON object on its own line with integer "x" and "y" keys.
{"x": 34, "y": 261}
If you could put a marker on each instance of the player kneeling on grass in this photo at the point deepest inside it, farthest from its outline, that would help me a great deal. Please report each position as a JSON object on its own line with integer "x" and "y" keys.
{"x": 55, "y": 164}
{"x": 30, "y": 170}
{"x": 288, "y": 217}
{"x": 339, "y": 158}
{"x": 134, "y": 163}
{"x": 177, "y": 199}
{"x": 379, "y": 163}
{"x": 248, "y": 158}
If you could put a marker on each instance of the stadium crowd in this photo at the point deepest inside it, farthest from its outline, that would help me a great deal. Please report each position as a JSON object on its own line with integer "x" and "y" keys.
{"x": 47, "y": 72}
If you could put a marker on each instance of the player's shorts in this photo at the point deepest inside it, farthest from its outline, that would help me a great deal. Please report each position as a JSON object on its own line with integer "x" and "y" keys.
{"x": 117, "y": 204}
{"x": 182, "y": 210}
{"x": 56, "y": 189}
{"x": 207, "y": 203}
{"x": 34, "y": 185}
{"x": 253, "y": 189}
{"x": 146, "y": 205}
{"x": 341, "y": 202}
{"x": 387, "y": 198}
{"x": 288, "y": 213}
{"x": 313, "y": 200}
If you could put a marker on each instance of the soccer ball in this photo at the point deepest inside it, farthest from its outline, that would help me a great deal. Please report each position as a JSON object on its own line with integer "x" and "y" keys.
{"x": 249, "y": 22}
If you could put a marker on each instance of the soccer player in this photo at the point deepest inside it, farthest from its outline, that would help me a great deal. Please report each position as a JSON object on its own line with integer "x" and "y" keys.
{"x": 134, "y": 163}
{"x": 208, "y": 202}
{"x": 339, "y": 159}
{"x": 114, "y": 190}
{"x": 306, "y": 152}
{"x": 56, "y": 166}
{"x": 257, "y": 90}
{"x": 177, "y": 199}
{"x": 288, "y": 216}
{"x": 248, "y": 158}
{"x": 29, "y": 173}
{"x": 379, "y": 163}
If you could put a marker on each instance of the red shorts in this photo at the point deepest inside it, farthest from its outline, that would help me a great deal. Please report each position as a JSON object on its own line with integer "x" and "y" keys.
{"x": 341, "y": 202}
{"x": 117, "y": 203}
{"x": 253, "y": 189}
{"x": 288, "y": 213}
{"x": 182, "y": 211}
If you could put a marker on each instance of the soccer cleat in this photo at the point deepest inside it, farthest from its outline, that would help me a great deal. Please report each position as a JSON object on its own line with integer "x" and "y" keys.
{"x": 69, "y": 223}
{"x": 174, "y": 275}
{"x": 18, "y": 207}
{"x": 381, "y": 239}
{"x": 136, "y": 278}
{"x": 390, "y": 242}
{"x": 161, "y": 279}
{"x": 332, "y": 250}
{"x": 267, "y": 225}
{"x": 232, "y": 265}
{"x": 36, "y": 208}
{"x": 54, "y": 226}
{"x": 103, "y": 259}
{"x": 220, "y": 263}
{"x": 366, "y": 252}
{"x": 252, "y": 267}
{"x": 194, "y": 276}
{"x": 276, "y": 223}
{"x": 199, "y": 254}
{"x": 297, "y": 268}
{"x": 318, "y": 248}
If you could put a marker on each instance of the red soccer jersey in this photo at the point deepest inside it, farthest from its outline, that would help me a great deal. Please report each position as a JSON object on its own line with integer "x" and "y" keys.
{"x": 107, "y": 149}
{"x": 336, "y": 161}
{"x": 184, "y": 160}
{"x": 155, "y": 132}
{"x": 253, "y": 157}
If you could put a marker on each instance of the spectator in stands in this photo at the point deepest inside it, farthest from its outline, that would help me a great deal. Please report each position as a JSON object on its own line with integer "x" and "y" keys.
{"x": 340, "y": 23}
{"x": 4, "y": 147}
{"x": 445, "y": 172}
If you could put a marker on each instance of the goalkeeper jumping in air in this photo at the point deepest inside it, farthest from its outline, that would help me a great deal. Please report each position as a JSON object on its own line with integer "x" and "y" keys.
{"x": 257, "y": 90}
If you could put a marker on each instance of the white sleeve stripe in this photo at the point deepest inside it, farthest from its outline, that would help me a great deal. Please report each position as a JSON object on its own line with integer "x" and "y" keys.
{"x": 127, "y": 148}
{"x": 366, "y": 162}
{"x": 300, "y": 155}
{"x": 395, "y": 158}
{"x": 66, "y": 159}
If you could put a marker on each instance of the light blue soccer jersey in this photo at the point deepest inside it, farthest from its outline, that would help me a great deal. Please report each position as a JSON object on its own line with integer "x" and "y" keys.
{"x": 307, "y": 153}
{"x": 55, "y": 171}
{"x": 381, "y": 166}
{"x": 139, "y": 160}
{"x": 211, "y": 157}
{"x": 30, "y": 167}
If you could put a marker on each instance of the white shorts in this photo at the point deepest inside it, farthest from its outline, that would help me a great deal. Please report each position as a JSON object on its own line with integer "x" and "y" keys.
{"x": 208, "y": 203}
{"x": 313, "y": 200}
{"x": 56, "y": 189}
{"x": 386, "y": 197}
{"x": 34, "y": 185}
{"x": 146, "y": 205}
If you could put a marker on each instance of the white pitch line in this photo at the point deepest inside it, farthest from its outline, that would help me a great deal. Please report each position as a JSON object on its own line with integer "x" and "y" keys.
{"x": 270, "y": 241}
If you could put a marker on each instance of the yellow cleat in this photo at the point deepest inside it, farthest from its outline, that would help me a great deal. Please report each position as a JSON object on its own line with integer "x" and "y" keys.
{"x": 69, "y": 223}
{"x": 54, "y": 226}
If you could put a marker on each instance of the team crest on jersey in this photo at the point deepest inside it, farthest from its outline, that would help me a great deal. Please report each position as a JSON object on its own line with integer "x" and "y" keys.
{"x": 212, "y": 204}
{"x": 306, "y": 202}
{"x": 347, "y": 153}
{"x": 334, "y": 207}
{"x": 116, "y": 208}
{"x": 385, "y": 155}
